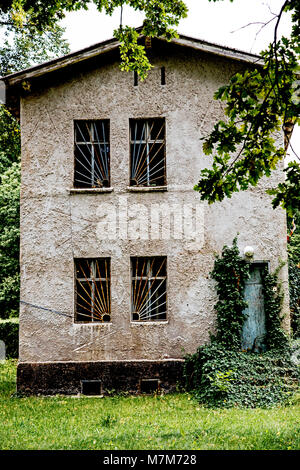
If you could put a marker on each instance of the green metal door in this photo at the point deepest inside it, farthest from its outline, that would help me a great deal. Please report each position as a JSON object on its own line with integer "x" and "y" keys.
{"x": 254, "y": 327}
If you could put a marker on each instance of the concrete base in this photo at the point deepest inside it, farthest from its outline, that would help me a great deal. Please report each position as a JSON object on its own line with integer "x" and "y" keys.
{"x": 71, "y": 378}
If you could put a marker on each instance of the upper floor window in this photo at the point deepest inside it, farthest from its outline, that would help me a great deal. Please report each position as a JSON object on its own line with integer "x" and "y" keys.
{"x": 92, "y": 154}
{"x": 92, "y": 299}
{"x": 147, "y": 152}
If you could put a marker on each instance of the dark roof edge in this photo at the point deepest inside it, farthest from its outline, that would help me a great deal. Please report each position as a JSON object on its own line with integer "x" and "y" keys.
{"x": 110, "y": 44}
{"x": 60, "y": 62}
{"x": 218, "y": 49}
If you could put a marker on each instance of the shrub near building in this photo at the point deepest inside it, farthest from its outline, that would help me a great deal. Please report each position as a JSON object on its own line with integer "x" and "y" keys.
{"x": 9, "y": 334}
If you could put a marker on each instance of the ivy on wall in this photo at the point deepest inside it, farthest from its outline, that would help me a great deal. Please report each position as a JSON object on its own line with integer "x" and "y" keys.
{"x": 220, "y": 373}
{"x": 219, "y": 377}
{"x": 230, "y": 273}
{"x": 294, "y": 272}
{"x": 275, "y": 339}
{"x": 294, "y": 283}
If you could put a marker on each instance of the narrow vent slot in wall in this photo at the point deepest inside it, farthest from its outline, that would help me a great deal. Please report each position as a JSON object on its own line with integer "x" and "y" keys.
{"x": 91, "y": 387}
{"x": 135, "y": 78}
{"x": 163, "y": 75}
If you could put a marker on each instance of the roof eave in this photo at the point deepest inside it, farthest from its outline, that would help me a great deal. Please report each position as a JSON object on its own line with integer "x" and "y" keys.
{"x": 57, "y": 64}
{"x": 217, "y": 49}
{"x": 109, "y": 45}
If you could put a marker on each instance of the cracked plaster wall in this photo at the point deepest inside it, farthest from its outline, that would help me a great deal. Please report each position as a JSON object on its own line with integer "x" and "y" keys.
{"x": 57, "y": 226}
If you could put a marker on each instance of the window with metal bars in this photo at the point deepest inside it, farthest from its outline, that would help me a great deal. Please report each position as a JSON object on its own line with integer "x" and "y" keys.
{"x": 92, "y": 154}
{"x": 92, "y": 295}
{"x": 149, "y": 288}
{"x": 147, "y": 152}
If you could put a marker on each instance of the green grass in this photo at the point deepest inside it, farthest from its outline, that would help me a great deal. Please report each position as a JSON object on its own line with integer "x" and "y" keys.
{"x": 160, "y": 422}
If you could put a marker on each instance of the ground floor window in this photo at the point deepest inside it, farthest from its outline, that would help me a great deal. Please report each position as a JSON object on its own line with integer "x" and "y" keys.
{"x": 149, "y": 288}
{"x": 92, "y": 290}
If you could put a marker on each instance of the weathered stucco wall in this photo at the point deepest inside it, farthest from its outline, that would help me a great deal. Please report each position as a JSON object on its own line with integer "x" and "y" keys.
{"x": 57, "y": 225}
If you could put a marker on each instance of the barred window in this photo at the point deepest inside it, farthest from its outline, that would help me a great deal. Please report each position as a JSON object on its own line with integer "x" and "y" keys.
{"x": 92, "y": 154}
{"x": 149, "y": 288}
{"x": 92, "y": 295}
{"x": 147, "y": 152}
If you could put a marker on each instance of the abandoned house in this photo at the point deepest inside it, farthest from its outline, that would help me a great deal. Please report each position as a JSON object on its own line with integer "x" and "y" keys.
{"x": 116, "y": 246}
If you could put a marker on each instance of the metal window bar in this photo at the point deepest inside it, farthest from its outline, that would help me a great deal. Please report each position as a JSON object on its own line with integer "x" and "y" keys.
{"x": 92, "y": 154}
{"x": 147, "y": 152}
{"x": 93, "y": 302}
{"x": 149, "y": 296}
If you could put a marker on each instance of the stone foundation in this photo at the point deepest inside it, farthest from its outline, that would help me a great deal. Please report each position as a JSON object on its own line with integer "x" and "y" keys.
{"x": 120, "y": 376}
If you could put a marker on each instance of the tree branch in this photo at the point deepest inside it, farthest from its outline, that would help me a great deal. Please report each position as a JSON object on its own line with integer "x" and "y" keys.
{"x": 276, "y": 84}
{"x": 253, "y": 23}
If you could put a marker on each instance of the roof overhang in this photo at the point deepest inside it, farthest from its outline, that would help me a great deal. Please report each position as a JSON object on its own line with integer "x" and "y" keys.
{"x": 14, "y": 82}
{"x": 111, "y": 44}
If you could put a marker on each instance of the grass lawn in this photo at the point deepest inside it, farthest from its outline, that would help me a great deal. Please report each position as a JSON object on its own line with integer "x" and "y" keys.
{"x": 144, "y": 422}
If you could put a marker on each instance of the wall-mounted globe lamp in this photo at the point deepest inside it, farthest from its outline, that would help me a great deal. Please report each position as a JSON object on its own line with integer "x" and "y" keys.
{"x": 249, "y": 252}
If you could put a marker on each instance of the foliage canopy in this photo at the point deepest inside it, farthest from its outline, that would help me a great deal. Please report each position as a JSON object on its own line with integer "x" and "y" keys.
{"x": 160, "y": 19}
{"x": 259, "y": 102}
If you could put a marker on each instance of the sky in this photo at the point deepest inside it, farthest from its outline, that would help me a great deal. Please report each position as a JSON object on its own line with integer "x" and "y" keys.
{"x": 222, "y": 22}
